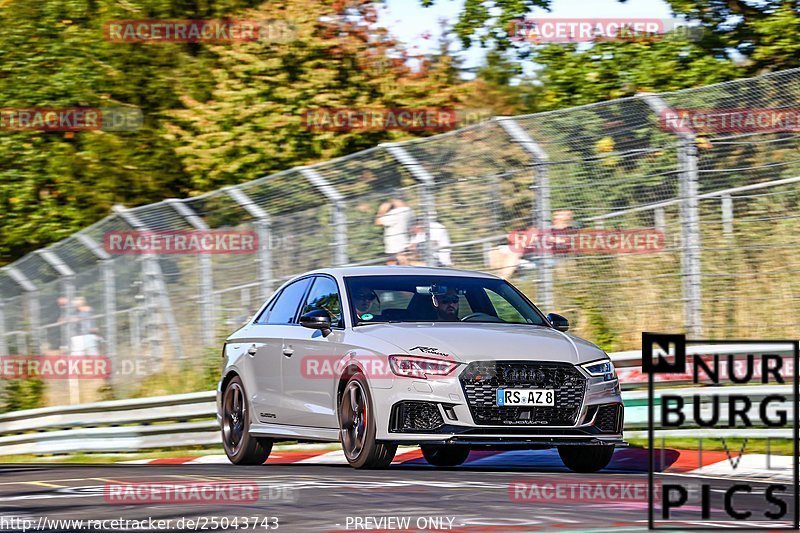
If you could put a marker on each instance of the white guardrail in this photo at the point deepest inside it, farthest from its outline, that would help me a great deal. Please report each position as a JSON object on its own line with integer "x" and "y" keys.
{"x": 190, "y": 419}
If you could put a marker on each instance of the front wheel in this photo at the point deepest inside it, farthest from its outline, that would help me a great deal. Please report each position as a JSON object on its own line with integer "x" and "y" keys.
{"x": 241, "y": 447}
{"x": 586, "y": 459}
{"x": 445, "y": 455}
{"x": 357, "y": 427}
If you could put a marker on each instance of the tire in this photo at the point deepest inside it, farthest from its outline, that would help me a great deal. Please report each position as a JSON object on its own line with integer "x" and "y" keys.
{"x": 240, "y": 446}
{"x": 357, "y": 428}
{"x": 445, "y": 455}
{"x": 586, "y": 459}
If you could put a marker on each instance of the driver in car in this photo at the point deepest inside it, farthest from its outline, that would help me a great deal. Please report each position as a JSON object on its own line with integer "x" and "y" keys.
{"x": 363, "y": 299}
{"x": 447, "y": 305}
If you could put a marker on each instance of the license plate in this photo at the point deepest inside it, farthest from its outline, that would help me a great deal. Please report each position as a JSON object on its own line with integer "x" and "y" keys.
{"x": 532, "y": 397}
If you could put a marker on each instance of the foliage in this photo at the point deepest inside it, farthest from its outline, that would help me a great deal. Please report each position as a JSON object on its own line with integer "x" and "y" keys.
{"x": 213, "y": 114}
{"x": 20, "y": 394}
{"x": 731, "y": 39}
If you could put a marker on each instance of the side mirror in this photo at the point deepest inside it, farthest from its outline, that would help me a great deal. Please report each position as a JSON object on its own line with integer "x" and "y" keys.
{"x": 317, "y": 319}
{"x": 558, "y": 321}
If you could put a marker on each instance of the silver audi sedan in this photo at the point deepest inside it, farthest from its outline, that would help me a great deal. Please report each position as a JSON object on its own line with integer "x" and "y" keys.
{"x": 446, "y": 359}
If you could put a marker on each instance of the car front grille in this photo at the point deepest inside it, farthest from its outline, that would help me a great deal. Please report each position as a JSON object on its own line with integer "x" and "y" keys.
{"x": 481, "y": 379}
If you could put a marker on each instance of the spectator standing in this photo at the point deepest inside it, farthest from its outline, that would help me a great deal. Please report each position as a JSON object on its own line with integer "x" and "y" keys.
{"x": 395, "y": 216}
{"x": 440, "y": 240}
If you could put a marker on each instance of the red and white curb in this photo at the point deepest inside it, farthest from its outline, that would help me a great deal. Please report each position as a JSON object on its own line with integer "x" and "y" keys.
{"x": 756, "y": 467}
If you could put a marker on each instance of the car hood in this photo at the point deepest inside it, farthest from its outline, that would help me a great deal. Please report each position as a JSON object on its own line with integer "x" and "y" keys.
{"x": 474, "y": 342}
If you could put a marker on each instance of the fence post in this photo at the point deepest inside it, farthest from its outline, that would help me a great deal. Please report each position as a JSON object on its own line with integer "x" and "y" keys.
{"x": 690, "y": 221}
{"x": 339, "y": 212}
{"x": 32, "y": 296}
{"x": 155, "y": 289}
{"x": 542, "y": 215}
{"x": 427, "y": 181}
{"x": 660, "y": 219}
{"x": 206, "y": 273}
{"x": 106, "y": 266}
{"x": 68, "y": 281}
{"x": 264, "y": 231}
{"x": 3, "y": 344}
{"x": 727, "y": 215}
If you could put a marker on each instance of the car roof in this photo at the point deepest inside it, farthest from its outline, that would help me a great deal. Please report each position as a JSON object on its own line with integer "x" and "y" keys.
{"x": 392, "y": 270}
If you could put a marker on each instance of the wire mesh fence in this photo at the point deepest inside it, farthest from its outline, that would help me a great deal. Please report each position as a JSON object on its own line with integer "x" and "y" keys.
{"x": 726, "y": 203}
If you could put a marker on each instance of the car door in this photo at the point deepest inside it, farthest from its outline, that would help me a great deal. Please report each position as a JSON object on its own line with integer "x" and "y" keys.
{"x": 309, "y": 360}
{"x": 266, "y": 352}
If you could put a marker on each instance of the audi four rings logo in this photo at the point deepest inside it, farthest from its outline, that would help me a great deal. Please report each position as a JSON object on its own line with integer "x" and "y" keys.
{"x": 529, "y": 375}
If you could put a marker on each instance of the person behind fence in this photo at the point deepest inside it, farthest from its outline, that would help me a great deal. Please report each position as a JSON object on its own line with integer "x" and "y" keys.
{"x": 395, "y": 217}
{"x": 83, "y": 316}
{"x": 440, "y": 240}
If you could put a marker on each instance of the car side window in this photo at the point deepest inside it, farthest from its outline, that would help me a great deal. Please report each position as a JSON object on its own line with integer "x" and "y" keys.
{"x": 285, "y": 307}
{"x": 262, "y": 318}
{"x": 324, "y": 294}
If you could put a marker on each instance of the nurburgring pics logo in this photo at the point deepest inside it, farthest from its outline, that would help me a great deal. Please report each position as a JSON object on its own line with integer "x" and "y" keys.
{"x": 550, "y": 30}
{"x": 373, "y": 119}
{"x": 739, "y": 120}
{"x": 198, "y": 31}
{"x": 71, "y": 119}
{"x": 738, "y": 403}
{"x": 181, "y": 242}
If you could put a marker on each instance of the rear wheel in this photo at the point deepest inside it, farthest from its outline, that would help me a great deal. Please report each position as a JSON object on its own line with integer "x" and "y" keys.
{"x": 241, "y": 447}
{"x": 445, "y": 455}
{"x": 586, "y": 459}
{"x": 357, "y": 427}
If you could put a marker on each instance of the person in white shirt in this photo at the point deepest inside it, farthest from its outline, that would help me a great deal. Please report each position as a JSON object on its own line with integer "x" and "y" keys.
{"x": 439, "y": 239}
{"x": 395, "y": 216}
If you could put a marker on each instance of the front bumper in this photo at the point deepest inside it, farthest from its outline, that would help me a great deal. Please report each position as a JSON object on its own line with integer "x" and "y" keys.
{"x": 441, "y": 413}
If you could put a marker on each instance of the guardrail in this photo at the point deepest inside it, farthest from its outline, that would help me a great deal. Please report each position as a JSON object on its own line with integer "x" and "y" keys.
{"x": 114, "y": 426}
{"x": 190, "y": 419}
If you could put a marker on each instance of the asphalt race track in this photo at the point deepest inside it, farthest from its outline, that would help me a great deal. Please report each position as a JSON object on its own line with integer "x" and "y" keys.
{"x": 329, "y": 498}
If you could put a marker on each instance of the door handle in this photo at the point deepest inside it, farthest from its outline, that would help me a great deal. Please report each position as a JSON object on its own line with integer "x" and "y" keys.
{"x": 252, "y": 350}
{"x": 288, "y": 350}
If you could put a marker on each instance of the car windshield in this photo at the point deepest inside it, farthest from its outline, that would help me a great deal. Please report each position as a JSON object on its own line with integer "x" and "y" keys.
{"x": 406, "y": 298}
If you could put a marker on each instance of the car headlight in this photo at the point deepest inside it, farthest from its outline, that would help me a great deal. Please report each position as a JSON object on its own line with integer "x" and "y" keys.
{"x": 603, "y": 368}
{"x": 411, "y": 366}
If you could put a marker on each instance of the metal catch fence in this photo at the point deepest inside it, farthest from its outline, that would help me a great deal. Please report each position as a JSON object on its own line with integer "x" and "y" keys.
{"x": 726, "y": 203}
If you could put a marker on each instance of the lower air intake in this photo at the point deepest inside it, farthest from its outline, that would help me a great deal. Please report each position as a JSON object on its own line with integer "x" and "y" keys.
{"x": 415, "y": 417}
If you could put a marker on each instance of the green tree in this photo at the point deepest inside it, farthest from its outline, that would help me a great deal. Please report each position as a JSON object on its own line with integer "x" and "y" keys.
{"x": 732, "y": 39}
{"x": 213, "y": 115}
